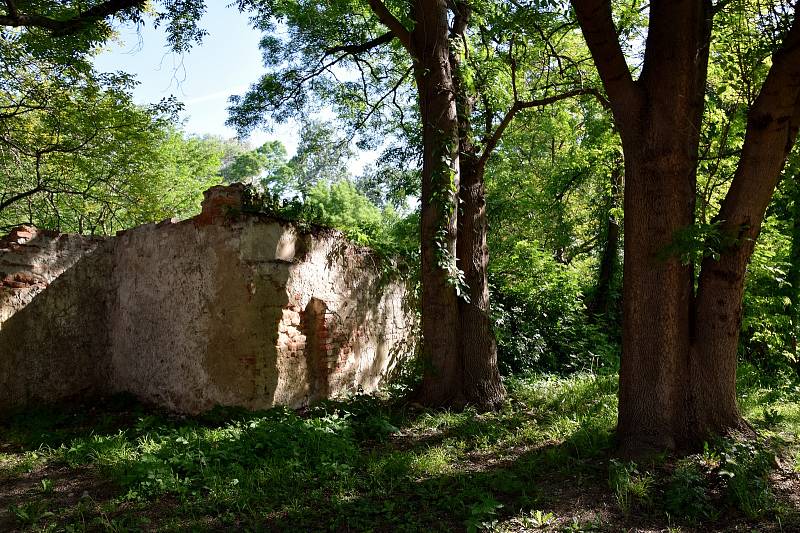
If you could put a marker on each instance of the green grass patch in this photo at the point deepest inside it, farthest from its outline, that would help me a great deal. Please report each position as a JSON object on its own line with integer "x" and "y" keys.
{"x": 542, "y": 461}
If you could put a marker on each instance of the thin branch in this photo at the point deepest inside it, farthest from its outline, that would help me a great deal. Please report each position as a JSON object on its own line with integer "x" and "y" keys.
{"x": 21, "y": 196}
{"x": 518, "y": 106}
{"x": 377, "y": 104}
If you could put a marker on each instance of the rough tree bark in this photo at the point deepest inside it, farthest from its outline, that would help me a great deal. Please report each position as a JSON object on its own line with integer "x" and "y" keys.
{"x": 477, "y": 344}
{"x": 443, "y": 379}
{"x": 677, "y": 377}
{"x": 429, "y": 46}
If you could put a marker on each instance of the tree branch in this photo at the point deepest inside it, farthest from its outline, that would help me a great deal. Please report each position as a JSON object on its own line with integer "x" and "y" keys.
{"x": 21, "y": 196}
{"x": 597, "y": 25}
{"x": 772, "y": 127}
{"x": 393, "y": 23}
{"x": 355, "y": 49}
{"x": 67, "y": 26}
{"x": 491, "y": 142}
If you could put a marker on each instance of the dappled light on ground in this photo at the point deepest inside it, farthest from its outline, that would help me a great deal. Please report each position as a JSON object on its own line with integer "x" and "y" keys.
{"x": 542, "y": 462}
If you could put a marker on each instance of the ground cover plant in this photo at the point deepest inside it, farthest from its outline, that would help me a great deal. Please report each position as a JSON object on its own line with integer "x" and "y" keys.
{"x": 542, "y": 462}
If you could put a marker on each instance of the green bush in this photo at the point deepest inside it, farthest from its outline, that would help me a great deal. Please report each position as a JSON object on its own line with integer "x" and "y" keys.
{"x": 745, "y": 467}
{"x": 540, "y": 315}
{"x": 686, "y": 494}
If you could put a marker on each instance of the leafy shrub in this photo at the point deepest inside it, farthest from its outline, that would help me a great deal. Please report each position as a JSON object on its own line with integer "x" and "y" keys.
{"x": 540, "y": 316}
{"x": 745, "y": 468}
{"x": 686, "y": 493}
{"x": 340, "y": 205}
{"x": 630, "y": 485}
{"x": 767, "y": 329}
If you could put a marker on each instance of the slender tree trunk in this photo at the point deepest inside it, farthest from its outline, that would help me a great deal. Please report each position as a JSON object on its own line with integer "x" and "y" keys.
{"x": 443, "y": 377}
{"x": 772, "y": 127}
{"x": 477, "y": 344}
{"x": 609, "y": 262}
{"x": 794, "y": 269}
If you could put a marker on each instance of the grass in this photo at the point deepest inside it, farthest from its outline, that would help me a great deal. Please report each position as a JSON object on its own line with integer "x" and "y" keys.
{"x": 541, "y": 463}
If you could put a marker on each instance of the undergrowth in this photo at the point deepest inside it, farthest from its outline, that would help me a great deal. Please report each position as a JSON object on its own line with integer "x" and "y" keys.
{"x": 372, "y": 464}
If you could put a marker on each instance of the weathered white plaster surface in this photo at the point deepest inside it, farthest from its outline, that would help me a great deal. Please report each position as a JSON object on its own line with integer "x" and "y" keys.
{"x": 221, "y": 309}
{"x": 53, "y": 338}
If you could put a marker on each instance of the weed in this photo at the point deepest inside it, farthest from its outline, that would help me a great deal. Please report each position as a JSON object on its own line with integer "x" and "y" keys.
{"x": 536, "y": 519}
{"x": 686, "y": 494}
{"x": 772, "y": 417}
{"x": 482, "y": 514}
{"x": 745, "y": 468}
{"x": 46, "y": 486}
{"x": 630, "y": 485}
{"x": 30, "y": 513}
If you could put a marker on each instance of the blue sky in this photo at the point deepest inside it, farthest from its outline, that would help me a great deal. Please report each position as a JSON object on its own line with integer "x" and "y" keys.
{"x": 226, "y": 63}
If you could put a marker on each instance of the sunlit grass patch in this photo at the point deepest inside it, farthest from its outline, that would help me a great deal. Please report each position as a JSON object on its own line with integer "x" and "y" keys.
{"x": 436, "y": 460}
{"x": 14, "y": 464}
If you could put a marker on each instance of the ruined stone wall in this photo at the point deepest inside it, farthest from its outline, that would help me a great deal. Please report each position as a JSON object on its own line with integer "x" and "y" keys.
{"x": 251, "y": 313}
{"x": 30, "y": 259}
{"x": 56, "y": 347}
{"x": 221, "y": 309}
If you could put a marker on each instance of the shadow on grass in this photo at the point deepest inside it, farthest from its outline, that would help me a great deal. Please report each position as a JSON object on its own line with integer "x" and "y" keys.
{"x": 358, "y": 465}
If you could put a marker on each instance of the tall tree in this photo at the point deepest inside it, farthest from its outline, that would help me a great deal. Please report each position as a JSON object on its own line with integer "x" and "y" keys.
{"x": 479, "y": 44}
{"x": 677, "y": 379}
{"x": 428, "y": 44}
{"x": 419, "y": 36}
{"x": 477, "y": 345}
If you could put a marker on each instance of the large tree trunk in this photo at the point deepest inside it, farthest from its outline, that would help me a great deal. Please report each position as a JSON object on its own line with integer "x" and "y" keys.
{"x": 477, "y": 345}
{"x": 657, "y": 298}
{"x": 661, "y": 150}
{"x": 442, "y": 382}
{"x": 678, "y": 375}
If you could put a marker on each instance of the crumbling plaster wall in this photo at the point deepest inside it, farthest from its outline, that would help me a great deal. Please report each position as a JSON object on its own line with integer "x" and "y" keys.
{"x": 55, "y": 348}
{"x": 238, "y": 327}
{"x": 224, "y": 308}
{"x": 30, "y": 259}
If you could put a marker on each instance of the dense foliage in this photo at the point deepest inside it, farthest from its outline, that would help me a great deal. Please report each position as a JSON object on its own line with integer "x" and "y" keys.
{"x": 78, "y": 155}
